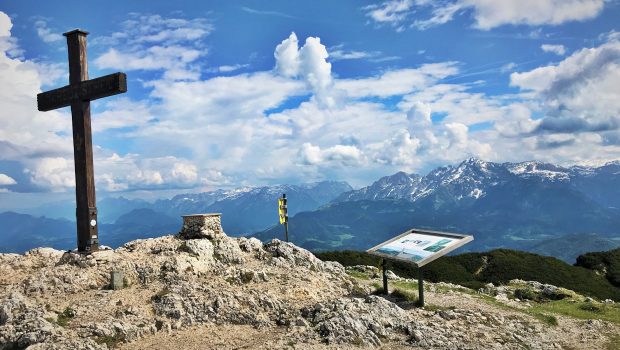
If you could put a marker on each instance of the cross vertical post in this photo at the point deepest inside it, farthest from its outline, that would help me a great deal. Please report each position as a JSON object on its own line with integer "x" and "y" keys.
{"x": 86, "y": 202}
{"x": 78, "y": 95}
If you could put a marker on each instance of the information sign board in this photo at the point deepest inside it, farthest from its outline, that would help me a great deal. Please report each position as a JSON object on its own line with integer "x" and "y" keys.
{"x": 420, "y": 246}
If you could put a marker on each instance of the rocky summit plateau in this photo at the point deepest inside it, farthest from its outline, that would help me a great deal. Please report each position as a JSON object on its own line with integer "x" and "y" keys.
{"x": 238, "y": 293}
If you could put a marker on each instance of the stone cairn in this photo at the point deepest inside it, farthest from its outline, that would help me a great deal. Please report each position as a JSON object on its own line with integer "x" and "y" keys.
{"x": 202, "y": 226}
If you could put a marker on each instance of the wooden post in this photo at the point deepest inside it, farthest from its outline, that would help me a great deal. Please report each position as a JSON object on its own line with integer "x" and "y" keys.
{"x": 78, "y": 95}
{"x": 286, "y": 217}
{"x": 385, "y": 279}
{"x": 86, "y": 202}
{"x": 420, "y": 288}
{"x": 286, "y": 230}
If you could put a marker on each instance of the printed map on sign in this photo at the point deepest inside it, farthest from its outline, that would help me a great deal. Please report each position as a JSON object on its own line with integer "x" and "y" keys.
{"x": 420, "y": 247}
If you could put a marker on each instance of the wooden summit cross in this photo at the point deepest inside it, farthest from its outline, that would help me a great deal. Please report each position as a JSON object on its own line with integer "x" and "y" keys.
{"x": 78, "y": 95}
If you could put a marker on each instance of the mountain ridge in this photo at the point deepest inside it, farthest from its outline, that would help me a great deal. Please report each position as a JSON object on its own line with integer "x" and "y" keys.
{"x": 471, "y": 174}
{"x": 511, "y": 205}
{"x": 245, "y": 210}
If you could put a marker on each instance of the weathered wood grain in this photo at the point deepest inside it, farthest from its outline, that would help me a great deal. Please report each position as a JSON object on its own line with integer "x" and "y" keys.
{"x": 90, "y": 90}
{"x": 78, "y": 95}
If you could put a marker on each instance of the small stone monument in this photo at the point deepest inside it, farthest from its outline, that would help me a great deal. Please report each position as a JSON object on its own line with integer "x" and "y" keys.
{"x": 202, "y": 226}
{"x": 116, "y": 280}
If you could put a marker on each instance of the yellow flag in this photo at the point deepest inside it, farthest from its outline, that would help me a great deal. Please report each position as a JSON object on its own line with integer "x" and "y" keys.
{"x": 282, "y": 210}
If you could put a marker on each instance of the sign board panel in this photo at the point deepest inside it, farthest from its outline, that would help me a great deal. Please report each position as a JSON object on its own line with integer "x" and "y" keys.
{"x": 420, "y": 246}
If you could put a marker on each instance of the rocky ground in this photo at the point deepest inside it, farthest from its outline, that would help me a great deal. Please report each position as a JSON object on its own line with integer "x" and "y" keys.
{"x": 237, "y": 293}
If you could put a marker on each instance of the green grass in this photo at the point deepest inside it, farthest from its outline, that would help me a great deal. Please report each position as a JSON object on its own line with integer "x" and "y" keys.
{"x": 580, "y": 310}
{"x": 545, "y": 312}
{"x": 358, "y": 275}
{"x": 540, "y": 315}
{"x": 405, "y": 295}
{"x": 437, "y": 288}
{"x": 548, "y": 319}
{"x": 474, "y": 270}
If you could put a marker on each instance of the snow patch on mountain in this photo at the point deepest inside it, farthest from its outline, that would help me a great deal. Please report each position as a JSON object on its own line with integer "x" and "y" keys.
{"x": 471, "y": 179}
{"x": 538, "y": 169}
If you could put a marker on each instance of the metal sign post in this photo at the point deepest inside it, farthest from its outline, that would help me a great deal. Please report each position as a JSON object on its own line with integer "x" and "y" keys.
{"x": 420, "y": 287}
{"x": 419, "y": 247}
{"x": 385, "y": 279}
{"x": 283, "y": 213}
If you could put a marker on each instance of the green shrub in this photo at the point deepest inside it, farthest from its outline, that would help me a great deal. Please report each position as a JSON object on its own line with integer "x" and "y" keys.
{"x": 588, "y": 306}
{"x": 474, "y": 270}
{"x": 548, "y": 319}
{"x": 608, "y": 262}
{"x": 527, "y": 294}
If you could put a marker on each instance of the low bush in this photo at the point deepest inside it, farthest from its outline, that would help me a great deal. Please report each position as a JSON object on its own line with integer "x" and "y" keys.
{"x": 474, "y": 270}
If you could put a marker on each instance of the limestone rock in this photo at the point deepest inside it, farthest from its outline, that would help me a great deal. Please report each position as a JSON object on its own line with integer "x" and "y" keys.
{"x": 55, "y": 300}
{"x": 202, "y": 248}
{"x": 228, "y": 251}
{"x": 358, "y": 321}
{"x": 290, "y": 254}
{"x": 46, "y": 253}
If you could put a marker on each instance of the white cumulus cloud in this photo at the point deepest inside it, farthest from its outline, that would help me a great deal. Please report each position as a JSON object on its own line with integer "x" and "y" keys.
{"x": 6, "y": 180}
{"x": 287, "y": 56}
{"x": 559, "y": 50}
{"x": 152, "y": 42}
{"x": 38, "y": 141}
{"x": 392, "y": 12}
{"x": 55, "y": 173}
{"x": 5, "y": 25}
{"x": 487, "y": 14}
{"x": 309, "y": 63}
{"x": 346, "y": 155}
{"x": 45, "y": 33}
{"x": 580, "y": 93}
{"x": 397, "y": 82}
{"x": 490, "y": 14}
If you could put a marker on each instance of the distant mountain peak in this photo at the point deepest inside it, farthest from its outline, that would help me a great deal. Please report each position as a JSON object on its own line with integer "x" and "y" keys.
{"x": 474, "y": 161}
{"x": 469, "y": 179}
{"x": 539, "y": 169}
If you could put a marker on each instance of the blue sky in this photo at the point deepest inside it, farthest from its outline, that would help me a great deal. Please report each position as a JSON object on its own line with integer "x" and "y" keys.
{"x": 236, "y": 93}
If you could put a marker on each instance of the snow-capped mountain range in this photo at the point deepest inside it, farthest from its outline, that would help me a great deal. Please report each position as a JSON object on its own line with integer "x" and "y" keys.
{"x": 472, "y": 179}
{"x": 247, "y": 199}
{"x": 244, "y": 210}
{"x": 532, "y": 206}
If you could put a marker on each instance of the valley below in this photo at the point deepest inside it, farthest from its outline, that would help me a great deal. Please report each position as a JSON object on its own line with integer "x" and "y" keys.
{"x": 530, "y": 206}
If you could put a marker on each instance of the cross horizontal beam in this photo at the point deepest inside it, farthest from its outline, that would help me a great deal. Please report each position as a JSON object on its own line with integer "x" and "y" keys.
{"x": 88, "y": 90}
